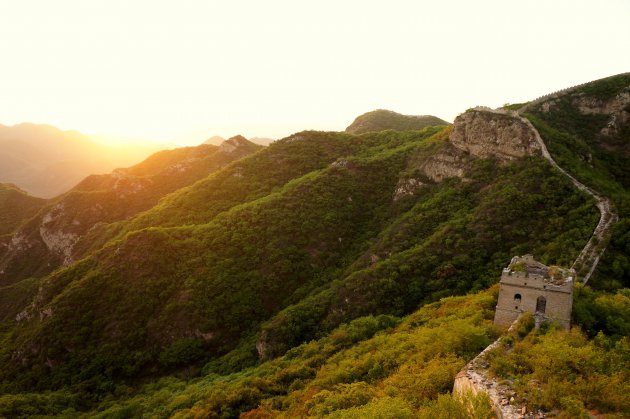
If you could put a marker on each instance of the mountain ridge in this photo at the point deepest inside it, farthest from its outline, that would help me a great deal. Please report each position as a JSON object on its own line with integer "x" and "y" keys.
{"x": 46, "y": 161}
{"x": 48, "y": 240}
{"x": 382, "y": 119}
{"x": 252, "y": 277}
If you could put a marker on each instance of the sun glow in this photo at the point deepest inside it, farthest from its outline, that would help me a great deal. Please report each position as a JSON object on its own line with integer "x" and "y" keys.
{"x": 182, "y": 71}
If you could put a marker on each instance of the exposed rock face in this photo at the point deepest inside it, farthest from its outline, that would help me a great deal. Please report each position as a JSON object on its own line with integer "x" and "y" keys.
{"x": 618, "y": 109}
{"x": 59, "y": 242}
{"x": 407, "y": 187}
{"x": 449, "y": 162}
{"x": 592, "y": 105}
{"x": 481, "y": 133}
{"x": 488, "y": 134}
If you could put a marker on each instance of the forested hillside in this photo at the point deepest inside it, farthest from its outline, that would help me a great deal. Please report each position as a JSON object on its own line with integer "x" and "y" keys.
{"x": 587, "y": 130}
{"x": 16, "y": 206}
{"x": 327, "y": 274}
{"x": 48, "y": 240}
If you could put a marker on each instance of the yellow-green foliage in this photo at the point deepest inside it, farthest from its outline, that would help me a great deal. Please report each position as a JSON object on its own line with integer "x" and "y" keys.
{"x": 467, "y": 406}
{"x": 396, "y": 372}
{"x": 563, "y": 371}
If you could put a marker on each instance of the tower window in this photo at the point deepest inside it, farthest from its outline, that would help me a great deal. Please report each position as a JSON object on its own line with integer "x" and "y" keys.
{"x": 541, "y": 304}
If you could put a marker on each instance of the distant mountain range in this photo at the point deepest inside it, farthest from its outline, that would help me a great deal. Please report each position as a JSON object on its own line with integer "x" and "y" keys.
{"x": 56, "y": 235}
{"x": 46, "y": 161}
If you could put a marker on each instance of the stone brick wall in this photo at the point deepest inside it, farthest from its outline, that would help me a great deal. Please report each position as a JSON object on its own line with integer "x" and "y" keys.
{"x": 558, "y": 298}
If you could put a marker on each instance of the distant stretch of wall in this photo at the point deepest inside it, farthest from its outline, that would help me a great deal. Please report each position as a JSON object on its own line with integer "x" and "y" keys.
{"x": 562, "y": 92}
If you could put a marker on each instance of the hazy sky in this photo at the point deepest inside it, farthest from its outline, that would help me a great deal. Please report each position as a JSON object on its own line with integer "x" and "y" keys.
{"x": 181, "y": 71}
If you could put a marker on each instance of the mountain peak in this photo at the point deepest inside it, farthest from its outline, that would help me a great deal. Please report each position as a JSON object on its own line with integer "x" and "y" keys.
{"x": 382, "y": 119}
{"x": 233, "y": 143}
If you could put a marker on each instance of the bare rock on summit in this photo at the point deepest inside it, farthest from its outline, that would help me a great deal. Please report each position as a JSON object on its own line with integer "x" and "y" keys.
{"x": 480, "y": 134}
{"x": 487, "y": 134}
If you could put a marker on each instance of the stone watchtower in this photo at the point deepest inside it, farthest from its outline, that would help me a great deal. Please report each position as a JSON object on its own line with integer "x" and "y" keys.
{"x": 528, "y": 285}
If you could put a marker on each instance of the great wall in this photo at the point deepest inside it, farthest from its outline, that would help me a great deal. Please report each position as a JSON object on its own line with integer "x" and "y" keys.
{"x": 475, "y": 378}
{"x": 561, "y": 92}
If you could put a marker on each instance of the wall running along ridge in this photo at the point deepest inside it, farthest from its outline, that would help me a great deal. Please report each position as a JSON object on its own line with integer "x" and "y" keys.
{"x": 474, "y": 377}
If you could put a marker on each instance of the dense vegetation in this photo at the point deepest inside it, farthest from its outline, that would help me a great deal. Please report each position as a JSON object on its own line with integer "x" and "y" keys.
{"x": 598, "y": 157}
{"x": 100, "y": 200}
{"x": 381, "y": 119}
{"x": 289, "y": 264}
{"x": 565, "y": 372}
{"x": 374, "y": 366}
{"x": 316, "y": 277}
{"x": 16, "y": 206}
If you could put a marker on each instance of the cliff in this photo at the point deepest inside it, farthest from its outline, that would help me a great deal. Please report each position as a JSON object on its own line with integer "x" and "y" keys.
{"x": 486, "y": 134}
{"x": 478, "y": 134}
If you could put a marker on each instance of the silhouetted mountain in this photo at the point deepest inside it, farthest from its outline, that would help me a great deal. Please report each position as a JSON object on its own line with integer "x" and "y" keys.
{"x": 46, "y": 161}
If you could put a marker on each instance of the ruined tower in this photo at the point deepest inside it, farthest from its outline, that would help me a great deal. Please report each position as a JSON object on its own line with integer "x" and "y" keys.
{"x": 528, "y": 285}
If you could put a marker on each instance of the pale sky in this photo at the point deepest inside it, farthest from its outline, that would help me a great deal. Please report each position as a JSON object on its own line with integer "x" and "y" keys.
{"x": 183, "y": 70}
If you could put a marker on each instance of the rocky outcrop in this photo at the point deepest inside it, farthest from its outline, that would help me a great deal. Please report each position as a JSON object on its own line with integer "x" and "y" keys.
{"x": 617, "y": 109}
{"x": 481, "y": 133}
{"x": 450, "y": 161}
{"x": 486, "y": 134}
{"x": 407, "y": 187}
{"x": 59, "y": 242}
{"x": 593, "y": 105}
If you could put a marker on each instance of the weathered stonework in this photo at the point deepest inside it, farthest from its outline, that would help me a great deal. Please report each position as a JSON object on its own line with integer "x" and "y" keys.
{"x": 474, "y": 378}
{"x": 530, "y": 286}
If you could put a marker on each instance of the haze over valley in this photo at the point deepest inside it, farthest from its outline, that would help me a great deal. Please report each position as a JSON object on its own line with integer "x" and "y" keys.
{"x": 363, "y": 210}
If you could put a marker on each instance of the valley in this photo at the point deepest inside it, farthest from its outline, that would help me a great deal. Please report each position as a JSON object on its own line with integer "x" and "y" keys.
{"x": 342, "y": 274}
